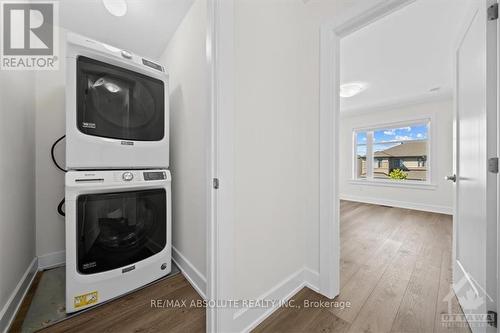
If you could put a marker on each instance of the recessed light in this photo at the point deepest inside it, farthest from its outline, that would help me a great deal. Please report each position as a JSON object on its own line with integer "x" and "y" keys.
{"x": 116, "y": 7}
{"x": 352, "y": 89}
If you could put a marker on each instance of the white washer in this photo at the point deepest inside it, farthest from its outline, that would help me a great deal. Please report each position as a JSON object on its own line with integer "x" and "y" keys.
{"x": 118, "y": 233}
{"x": 116, "y": 108}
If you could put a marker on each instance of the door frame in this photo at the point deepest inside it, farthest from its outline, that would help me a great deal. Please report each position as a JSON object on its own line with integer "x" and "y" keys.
{"x": 329, "y": 216}
{"x": 498, "y": 178}
{"x": 220, "y": 143}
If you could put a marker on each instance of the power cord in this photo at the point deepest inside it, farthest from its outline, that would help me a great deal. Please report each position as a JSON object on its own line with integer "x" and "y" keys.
{"x": 61, "y": 204}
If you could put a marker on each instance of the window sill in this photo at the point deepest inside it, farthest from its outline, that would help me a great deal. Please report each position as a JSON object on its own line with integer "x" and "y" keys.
{"x": 415, "y": 185}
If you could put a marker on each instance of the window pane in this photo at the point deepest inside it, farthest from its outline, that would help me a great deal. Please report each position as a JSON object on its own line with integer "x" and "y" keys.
{"x": 401, "y": 153}
{"x": 360, "y": 166}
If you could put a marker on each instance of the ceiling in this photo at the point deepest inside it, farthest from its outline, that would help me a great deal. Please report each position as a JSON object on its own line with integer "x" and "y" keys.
{"x": 403, "y": 55}
{"x": 145, "y": 29}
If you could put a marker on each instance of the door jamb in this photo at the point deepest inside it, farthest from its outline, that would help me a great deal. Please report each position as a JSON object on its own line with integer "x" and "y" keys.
{"x": 220, "y": 206}
{"x": 329, "y": 223}
{"x": 498, "y": 178}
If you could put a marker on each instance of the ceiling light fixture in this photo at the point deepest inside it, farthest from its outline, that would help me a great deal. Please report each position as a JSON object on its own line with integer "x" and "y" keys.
{"x": 352, "y": 89}
{"x": 116, "y": 7}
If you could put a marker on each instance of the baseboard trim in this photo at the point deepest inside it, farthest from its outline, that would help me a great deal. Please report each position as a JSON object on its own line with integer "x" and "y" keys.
{"x": 400, "y": 204}
{"x": 16, "y": 298}
{"x": 197, "y": 280}
{"x": 311, "y": 279}
{"x": 51, "y": 260}
{"x": 247, "y": 319}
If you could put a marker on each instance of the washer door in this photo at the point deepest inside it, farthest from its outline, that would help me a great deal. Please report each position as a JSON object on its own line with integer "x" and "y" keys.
{"x": 120, "y": 228}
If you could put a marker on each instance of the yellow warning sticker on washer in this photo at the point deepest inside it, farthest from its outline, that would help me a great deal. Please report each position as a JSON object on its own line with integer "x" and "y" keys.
{"x": 86, "y": 299}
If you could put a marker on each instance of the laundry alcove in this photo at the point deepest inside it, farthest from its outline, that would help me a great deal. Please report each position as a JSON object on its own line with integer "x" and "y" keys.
{"x": 175, "y": 38}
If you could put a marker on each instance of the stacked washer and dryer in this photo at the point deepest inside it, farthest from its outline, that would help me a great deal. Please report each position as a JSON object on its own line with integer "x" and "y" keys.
{"x": 118, "y": 194}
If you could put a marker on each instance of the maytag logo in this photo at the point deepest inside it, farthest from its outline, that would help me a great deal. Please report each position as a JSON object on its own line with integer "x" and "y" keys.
{"x": 29, "y": 35}
{"x": 127, "y": 143}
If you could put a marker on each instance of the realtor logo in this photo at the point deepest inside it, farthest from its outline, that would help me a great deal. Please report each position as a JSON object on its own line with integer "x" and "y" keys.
{"x": 29, "y": 35}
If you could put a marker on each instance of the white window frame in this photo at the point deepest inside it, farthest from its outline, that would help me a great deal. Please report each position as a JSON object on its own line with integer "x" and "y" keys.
{"x": 369, "y": 180}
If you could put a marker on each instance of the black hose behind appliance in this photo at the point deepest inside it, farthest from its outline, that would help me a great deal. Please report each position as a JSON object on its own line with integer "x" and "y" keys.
{"x": 60, "y": 210}
{"x": 52, "y": 154}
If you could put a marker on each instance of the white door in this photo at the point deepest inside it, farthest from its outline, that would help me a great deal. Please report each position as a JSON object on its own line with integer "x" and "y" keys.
{"x": 475, "y": 205}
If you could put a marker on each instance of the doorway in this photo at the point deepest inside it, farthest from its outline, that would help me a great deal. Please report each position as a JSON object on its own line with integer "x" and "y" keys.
{"x": 376, "y": 165}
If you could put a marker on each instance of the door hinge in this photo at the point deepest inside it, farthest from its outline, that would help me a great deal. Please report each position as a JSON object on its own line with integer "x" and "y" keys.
{"x": 493, "y": 12}
{"x": 493, "y": 165}
{"x": 492, "y": 318}
{"x": 215, "y": 183}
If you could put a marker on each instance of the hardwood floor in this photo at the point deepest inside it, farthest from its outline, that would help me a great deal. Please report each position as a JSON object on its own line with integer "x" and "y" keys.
{"x": 134, "y": 313}
{"x": 395, "y": 272}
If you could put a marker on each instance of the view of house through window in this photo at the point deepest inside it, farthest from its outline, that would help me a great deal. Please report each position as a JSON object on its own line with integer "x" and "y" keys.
{"x": 397, "y": 153}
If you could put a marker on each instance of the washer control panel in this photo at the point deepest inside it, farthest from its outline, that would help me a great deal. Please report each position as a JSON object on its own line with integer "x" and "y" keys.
{"x": 129, "y": 178}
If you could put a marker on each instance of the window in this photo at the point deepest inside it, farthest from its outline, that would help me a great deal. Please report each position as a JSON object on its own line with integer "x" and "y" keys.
{"x": 398, "y": 153}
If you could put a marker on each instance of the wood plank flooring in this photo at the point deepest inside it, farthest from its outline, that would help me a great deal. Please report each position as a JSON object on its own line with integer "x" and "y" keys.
{"x": 134, "y": 313}
{"x": 395, "y": 271}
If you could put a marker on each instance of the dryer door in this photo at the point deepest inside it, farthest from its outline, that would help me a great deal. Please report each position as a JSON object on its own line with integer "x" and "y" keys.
{"x": 120, "y": 228}
{"x": 114, "y": 102}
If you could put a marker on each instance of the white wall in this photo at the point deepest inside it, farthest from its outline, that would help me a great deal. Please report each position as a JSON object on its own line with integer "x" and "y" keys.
{"x": 50, "y": 125}
{"x": 440, "y": 198}
{"x": 277, "y": 139}
{"x": 185, "y": 59}
{"x": 275, "y": 169}
{"x": 17, "y": 184}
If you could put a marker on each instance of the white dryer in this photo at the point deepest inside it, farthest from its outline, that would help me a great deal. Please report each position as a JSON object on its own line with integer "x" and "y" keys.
{"x": 116, "y": 108}
{"x": 118, "y": 233}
